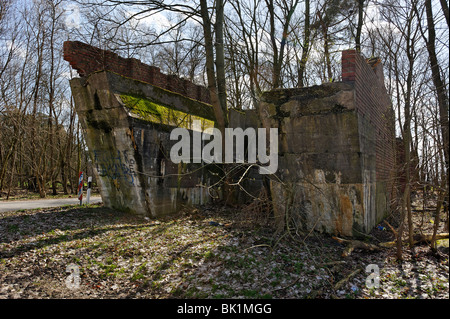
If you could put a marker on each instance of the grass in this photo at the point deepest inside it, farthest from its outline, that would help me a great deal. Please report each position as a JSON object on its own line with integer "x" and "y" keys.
{"x": 13, "y": 228}
{"x": 140, "y": 273}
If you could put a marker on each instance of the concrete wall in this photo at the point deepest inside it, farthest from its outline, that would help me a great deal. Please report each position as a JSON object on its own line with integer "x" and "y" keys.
{"x": 130, "y": 153}
{"x": 337, "y": 153}
{"x": 320, "y": 161}
{"x": 336, "y": 142}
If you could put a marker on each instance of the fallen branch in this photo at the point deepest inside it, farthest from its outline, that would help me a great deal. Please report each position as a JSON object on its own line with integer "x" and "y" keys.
{"x": 290, "y": 285}
{"x": 416, "y": 240}
{"x": 332, "y": 263}
{"x": 392, "y": 228}
{"x": 343, "y": 281}
{"x": 261, "y": 245}
{"x": 353, "y": 244}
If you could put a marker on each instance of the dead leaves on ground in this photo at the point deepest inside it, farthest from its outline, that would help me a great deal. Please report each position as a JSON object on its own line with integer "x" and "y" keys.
{"x": 120, "y": 256}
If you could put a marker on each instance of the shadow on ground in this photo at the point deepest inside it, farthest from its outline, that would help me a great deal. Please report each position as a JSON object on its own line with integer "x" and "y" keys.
{"x": 200, "y": 253}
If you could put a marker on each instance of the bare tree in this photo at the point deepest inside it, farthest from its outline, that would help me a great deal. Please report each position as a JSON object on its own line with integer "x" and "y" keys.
{"x": 438, "y": 82}
{"x": 278, "y": 48}
{"x": 306, "y": 44}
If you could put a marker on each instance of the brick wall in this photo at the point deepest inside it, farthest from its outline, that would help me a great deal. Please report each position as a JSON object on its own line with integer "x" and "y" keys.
{"x": 374, "y": 106}
{"x": 87, "y": 59}
{"x": 348, "y": 65}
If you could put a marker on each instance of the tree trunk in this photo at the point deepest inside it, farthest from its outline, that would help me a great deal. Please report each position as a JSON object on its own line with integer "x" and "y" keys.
{"x": 278, "y": 55}
{"x": 398, "y": 241}
{"x": 220, "y": 60}
{"x": 360, "y": 24}
{"x": 305, "y": 48}
{"x": 438, "y": 83}
{"x": 437, "y": 219}
{"x": 444, "y": 6}
{"x": 219, "y": 109}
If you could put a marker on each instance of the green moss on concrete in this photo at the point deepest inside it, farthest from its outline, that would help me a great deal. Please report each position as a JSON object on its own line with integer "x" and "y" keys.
{"x": 141, "y": 105}
{"x": 153, "y": 112}
{"x": 196, "y": 107}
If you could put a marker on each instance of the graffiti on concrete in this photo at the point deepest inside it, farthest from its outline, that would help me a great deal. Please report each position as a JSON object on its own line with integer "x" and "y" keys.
{"x": 120, "y": 166}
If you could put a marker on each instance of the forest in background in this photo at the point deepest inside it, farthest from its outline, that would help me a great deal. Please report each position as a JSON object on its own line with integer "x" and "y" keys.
{"x": 236, "y": 48}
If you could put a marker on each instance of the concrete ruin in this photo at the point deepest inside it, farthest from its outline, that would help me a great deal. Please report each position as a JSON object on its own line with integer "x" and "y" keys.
{"x": 337, "y": 150}
{"x": 336, "y": 141}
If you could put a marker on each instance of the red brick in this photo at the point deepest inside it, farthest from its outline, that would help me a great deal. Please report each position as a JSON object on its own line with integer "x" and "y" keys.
{"x": 87, "y": 59}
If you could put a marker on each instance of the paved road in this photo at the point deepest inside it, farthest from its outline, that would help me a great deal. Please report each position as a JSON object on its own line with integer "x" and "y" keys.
{"x": 43, "y": 203}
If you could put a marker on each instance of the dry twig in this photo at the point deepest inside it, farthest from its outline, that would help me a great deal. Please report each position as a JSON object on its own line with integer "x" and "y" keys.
{"x": 353, "y": 244}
